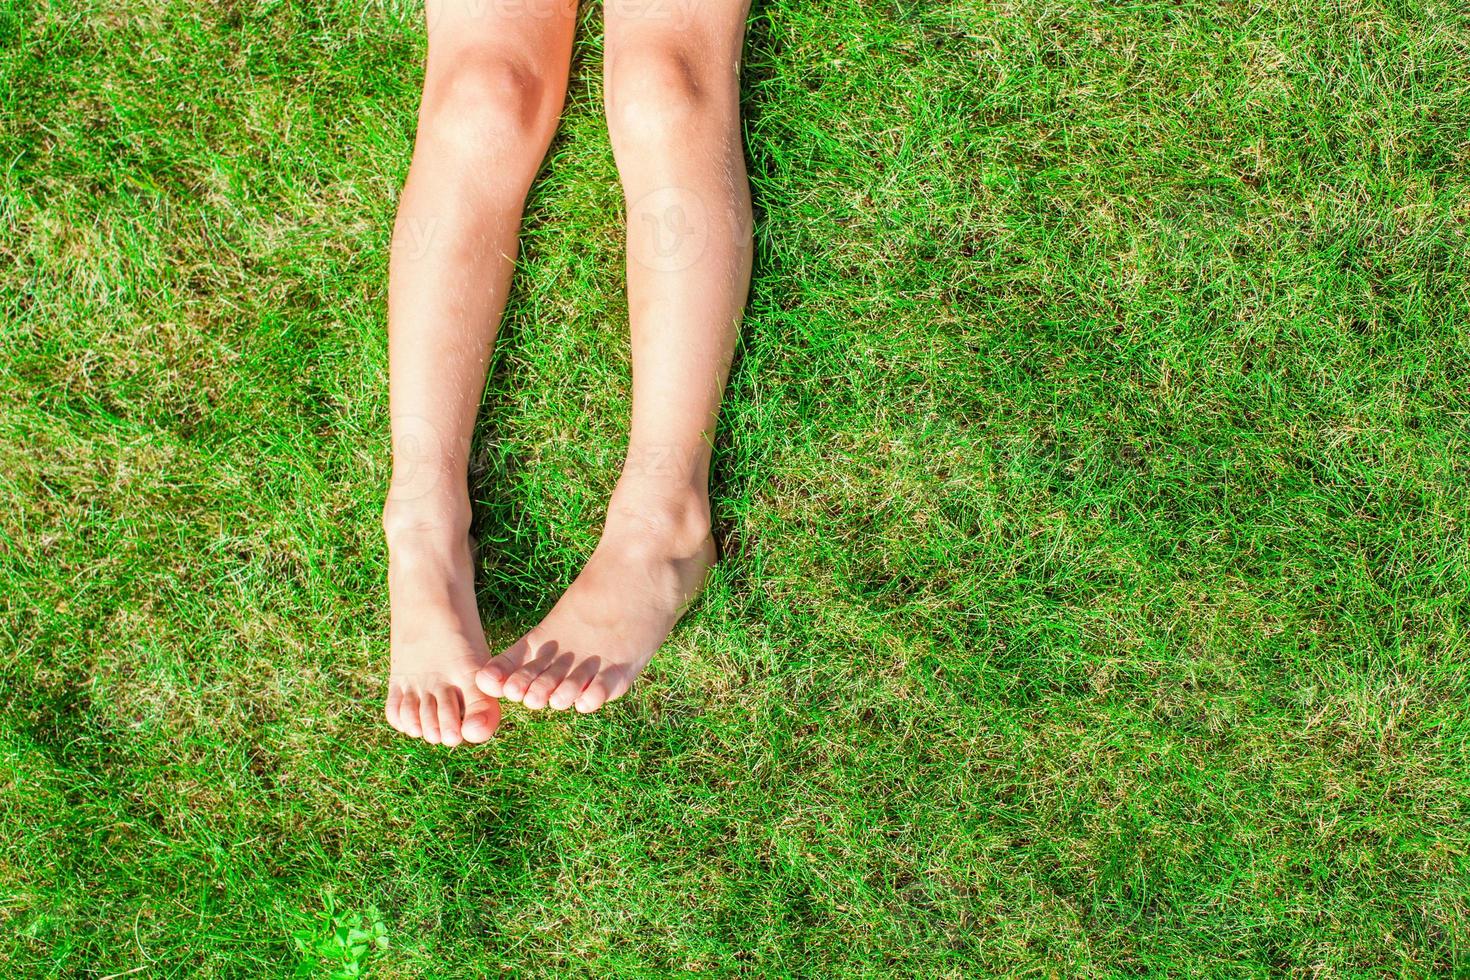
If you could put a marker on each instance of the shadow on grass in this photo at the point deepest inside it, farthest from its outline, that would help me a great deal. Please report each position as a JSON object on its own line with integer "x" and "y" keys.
{"x": 512, "y": 595}
{"x": 738, "y": 442}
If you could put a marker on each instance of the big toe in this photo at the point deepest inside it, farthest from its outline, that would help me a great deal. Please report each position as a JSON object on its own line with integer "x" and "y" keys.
{"x": 481, "y": 718}
{"x": 491, "y": 678}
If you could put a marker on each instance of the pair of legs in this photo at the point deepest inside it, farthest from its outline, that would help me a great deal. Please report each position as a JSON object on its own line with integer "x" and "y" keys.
{"x": 494, "y": 86}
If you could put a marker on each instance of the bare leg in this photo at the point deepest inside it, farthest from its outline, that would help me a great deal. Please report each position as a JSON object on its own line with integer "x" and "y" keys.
{"x": 493, "y": 89}
{"x": 672, "y": 82}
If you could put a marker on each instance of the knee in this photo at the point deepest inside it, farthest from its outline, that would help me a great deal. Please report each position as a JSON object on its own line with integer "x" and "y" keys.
{"x": 487, "y": 104}
{"x": 655, "y": 93}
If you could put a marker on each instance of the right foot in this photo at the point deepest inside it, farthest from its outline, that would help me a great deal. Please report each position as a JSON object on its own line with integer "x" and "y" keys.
{"x": 655, "y": 554}
{"x": 437, "y": 641}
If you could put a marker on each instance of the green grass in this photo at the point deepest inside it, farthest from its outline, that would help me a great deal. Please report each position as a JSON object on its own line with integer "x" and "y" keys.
{"x": 1094, "y": 485}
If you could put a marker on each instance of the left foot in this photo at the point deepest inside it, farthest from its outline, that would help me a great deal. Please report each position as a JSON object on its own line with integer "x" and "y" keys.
{"x": 436, "y": 638}
{"x": 655, "y": 553}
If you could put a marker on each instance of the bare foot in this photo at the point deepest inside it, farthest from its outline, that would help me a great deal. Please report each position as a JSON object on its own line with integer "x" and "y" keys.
{"x": 437, "y": 641}
{"x": 655, "y": 553}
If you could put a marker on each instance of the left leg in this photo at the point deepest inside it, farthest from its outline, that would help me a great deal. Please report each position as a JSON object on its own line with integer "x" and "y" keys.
{"x": 672, "y": 100}
{"x": 493, "y": 90}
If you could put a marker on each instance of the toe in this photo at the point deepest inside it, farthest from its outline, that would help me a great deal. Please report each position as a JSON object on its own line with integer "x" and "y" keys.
{"x": 492, "y": 677}
{"x": 390, "y": 711}
{"x": 429, "y": 717}
{"x": 598, "y": 692}
{"x": 574, "y": 684}
{"x": 540, "y": 690}
{"x": 449, "y": 715}
{"x": 408, "y": 715}
{"x": 520, "y": 682}
{"x": 481, "y": 717}
{"x": 620, "y": 686}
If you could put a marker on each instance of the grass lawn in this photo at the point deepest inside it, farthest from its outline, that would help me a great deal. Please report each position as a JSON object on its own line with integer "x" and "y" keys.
{"x": 1094, "y": 488}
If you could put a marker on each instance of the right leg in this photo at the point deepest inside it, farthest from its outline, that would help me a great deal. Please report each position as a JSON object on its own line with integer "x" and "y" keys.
{"x": 673, "y": 112}
{"x": 493, "y": 90}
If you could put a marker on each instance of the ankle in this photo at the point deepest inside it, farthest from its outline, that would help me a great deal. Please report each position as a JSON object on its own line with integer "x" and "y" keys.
{"x": 675, "y": 514}
{"x": 426, "y": 518}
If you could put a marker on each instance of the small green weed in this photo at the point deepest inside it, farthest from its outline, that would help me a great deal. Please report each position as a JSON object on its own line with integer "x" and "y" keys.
{"x": 340, "y": 945}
